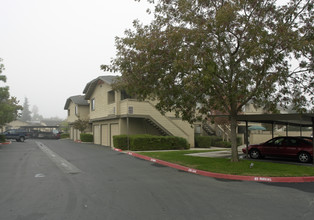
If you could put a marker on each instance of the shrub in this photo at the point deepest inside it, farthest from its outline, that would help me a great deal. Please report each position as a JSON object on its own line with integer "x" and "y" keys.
{"x": 2, "y": 138}
{"x": 206, "y": 141}
{"x": 120, "y": 142}
{"x": 65, "y": 135}
{"x": 214, "y": 141}
{"x": 86, "y": 137}
{"x": 203, "y": 142}
{"x": 150, "y": 142}
{"x": 239, "y": 141}
{"x": 223, "y": 144}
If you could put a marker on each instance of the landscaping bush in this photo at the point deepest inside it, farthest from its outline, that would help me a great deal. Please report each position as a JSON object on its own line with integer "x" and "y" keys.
{"x": 203, "y": 142}
{"x": 2, "y": 138}
{"x": 86, "y": 137}
{"x": 120, "y": 142}
{"x": 206, "y": 141}
{"x": 226, "y": 144}
{"x": 64, "y": 135}
{"x": 213, "y": 141}
{"x": 150, "y": 142}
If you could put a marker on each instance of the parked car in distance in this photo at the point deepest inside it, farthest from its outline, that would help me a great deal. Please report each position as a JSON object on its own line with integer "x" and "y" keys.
{"x": 17, "y": 134}
{"x": 297, "y": 147}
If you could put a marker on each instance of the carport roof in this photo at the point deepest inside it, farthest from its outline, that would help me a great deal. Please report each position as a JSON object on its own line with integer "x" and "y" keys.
{"x": 304, "y": 120}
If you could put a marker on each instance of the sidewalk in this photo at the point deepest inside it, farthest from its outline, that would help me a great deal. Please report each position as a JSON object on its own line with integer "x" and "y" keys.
{"x": 221, "y": 152}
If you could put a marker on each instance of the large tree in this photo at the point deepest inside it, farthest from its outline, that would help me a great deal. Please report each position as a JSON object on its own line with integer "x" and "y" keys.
{"x": 26, "y": 113}
{"x": 8, "y": 105}
{"x": 220, "y": 54}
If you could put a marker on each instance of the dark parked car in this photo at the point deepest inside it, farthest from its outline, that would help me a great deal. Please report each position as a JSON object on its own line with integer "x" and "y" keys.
{"x": 298, "y": 147}
{"x": 17, "y": 134}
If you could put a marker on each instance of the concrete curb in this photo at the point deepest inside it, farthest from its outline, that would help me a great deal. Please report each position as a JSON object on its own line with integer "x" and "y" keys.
{"x": 223, "y": 176}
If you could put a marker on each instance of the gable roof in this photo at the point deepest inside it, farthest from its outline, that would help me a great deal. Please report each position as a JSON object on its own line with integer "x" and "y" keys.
{"x": 78, "y": 100}
{"x": 90, "y": 87}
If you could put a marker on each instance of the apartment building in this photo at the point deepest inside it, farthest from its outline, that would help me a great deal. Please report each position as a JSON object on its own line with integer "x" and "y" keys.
{"x": 115, "y": 112}
{"x": 78, "y": 108}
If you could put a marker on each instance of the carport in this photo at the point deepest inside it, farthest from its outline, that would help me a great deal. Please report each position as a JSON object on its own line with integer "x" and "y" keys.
{"x": 40, "y": 129}
{"x": 298, "y": 120}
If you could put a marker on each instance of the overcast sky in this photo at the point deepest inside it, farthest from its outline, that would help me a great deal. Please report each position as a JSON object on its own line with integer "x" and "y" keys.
{"x": 52, "y": 48}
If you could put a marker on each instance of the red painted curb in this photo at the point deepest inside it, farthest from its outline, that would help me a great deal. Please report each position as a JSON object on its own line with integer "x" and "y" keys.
{"x": 5, "y": 143}
{"x": 225, "y": 176}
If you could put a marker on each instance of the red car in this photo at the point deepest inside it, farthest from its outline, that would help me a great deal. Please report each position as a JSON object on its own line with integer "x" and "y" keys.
{"x": 298, "y": 147}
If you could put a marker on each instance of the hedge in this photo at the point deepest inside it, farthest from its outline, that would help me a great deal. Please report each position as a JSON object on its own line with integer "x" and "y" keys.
{"x": 65, "y": 135}
{"x": 206, "y": 141}
{"x": 149, "y": 142}
{"x": 213, "y": 141}
{"x": 2, "y": 138}
{"x": 225, "y": 144}
{"x": 86, "y": 137}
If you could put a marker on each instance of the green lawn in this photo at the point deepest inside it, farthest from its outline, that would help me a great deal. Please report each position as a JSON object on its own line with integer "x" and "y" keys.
{"x": 223, "y": 165}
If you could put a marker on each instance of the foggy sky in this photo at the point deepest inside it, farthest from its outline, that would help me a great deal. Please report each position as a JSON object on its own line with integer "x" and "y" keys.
{"x": 52, "y": 48}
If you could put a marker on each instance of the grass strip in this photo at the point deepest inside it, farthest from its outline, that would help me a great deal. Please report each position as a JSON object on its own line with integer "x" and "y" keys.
{"x": 224, "y": 165}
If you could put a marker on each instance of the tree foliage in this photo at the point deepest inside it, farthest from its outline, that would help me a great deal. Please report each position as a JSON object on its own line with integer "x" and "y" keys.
{"x": 220, "y": 54}
{"x": 26, "y": 113}
{"x": 81, "y": 125}
{"x": 8, "y": 105}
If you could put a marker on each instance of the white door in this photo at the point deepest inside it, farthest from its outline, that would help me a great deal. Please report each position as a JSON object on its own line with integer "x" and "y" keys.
{"x": 114, "y": 130}
{"x": 104, "y": 135}
{"x": 96, "y": 132}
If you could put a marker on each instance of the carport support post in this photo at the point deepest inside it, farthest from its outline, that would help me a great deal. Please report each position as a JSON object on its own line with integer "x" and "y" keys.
{"x": 313, "y": 139}
{"x": 247, "y": 139}
{"x": 127, "y": 127}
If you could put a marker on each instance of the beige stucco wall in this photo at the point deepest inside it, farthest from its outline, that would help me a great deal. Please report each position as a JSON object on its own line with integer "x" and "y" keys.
{"x": 15, "y": 124}
{"x": 83, "y": 112}
{"x": 137, "y": 126}
{"x": 184, "y": 125}
{"x": 72, "y": 117}
{"x": 102, "y": 108}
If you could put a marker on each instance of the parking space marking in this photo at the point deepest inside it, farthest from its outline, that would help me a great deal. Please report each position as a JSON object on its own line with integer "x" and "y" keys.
{"x": 63, "y": 164}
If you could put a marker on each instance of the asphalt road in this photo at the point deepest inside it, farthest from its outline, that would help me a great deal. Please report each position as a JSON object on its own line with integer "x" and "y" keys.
{"x": 59, "y": 180}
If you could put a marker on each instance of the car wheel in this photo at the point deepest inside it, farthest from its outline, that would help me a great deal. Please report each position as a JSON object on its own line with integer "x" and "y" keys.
{"x": 304, "y": 157}
{"x": 22, "y": 139}
{"x": 255, "y": 154}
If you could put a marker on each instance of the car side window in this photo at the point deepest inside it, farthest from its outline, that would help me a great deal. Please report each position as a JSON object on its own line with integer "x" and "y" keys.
{"x": 279, "y": 141}
{"x": 291, "y": 142}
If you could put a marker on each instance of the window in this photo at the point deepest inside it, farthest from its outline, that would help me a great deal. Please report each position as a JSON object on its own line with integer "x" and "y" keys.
{"x": 124, "y": 95}
{"x": 92, "y": 105}
{"x": 69, "y": 112}
{"x": 111, "y": 96}
{"x": 130, "y": 110}
{"x": 76, "y": 110}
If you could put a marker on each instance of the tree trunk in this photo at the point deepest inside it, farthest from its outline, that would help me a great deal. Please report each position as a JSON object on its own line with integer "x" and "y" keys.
{"x": 234, "y": 147}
